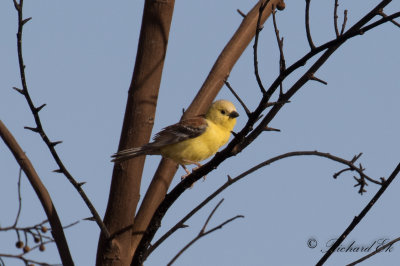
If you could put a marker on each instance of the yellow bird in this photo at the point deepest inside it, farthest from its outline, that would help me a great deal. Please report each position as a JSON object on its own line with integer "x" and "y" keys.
{"x": 192, "y": 140}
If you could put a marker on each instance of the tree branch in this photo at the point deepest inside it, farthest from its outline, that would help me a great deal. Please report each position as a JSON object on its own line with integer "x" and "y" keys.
{"x": 203, "y": 231}
{"x": 231, "y": 181}
{"x": 307, "y": 18}
{"x": 39, "y": 128}
{"x": 359, "y": 217}
{"x": 41, "y": 192}
{"x": 255, "y": 46}
{"x": 374, "y": 252}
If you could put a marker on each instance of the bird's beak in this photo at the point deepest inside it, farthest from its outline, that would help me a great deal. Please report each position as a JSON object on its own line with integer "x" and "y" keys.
{"x": 233, "y": 114}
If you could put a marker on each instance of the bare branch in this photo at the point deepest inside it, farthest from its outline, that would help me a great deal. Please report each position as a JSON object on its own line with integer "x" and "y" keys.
{"x": 231, "y": 181}
{"x": 203, "y": 231}
{"x": 41, "y": 192}
{"x": 392, "y": 20}
{"x": 237, "y": 97}
{"x": 359, "y": 217}
{"x": 307, "y": 18}
{"x": 344, "y": 21}
{"x": 39, "y": 128}
{"x": 282, "y": 62}
{"x": 335, "y": 17}
{"x": 255, "y": 46}
{"x": 374, "y": 252}
{"x": 19, "y": 198}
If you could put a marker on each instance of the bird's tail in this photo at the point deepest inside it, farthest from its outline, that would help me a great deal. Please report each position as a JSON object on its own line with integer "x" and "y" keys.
{"x": 131, "y": 153}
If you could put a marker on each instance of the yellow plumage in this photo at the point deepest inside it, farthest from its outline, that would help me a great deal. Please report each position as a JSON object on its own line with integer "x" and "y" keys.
{"x": 193, "y": 140}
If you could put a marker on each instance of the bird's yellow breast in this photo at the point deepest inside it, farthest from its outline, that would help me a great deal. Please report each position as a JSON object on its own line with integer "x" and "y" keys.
{"x": 198, "y": 148}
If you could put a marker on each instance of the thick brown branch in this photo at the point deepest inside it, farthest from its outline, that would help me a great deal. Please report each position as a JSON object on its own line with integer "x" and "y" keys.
{"x": 136, "y": 131}
{"x": 359, "y": 217}
{"x": 41, "y": 192}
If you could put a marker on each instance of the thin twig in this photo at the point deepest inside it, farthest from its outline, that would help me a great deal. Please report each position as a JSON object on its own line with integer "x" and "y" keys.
{"x": 344, "y": 21}
{"x": 19, "y": 198}
{"x": 237, "y": 97}
{"x": 39, "y": 128}
{"x": 25, "y": 260}
{"x": 255, "y": 46}
{"x": 279, "y": 40}
{"x": 203, "y": 232}
{"x": 335, "y": 18}
{"x": 374, "y": 252}
{"x": 307, "y": 18}
{"x": 359, "y": 217}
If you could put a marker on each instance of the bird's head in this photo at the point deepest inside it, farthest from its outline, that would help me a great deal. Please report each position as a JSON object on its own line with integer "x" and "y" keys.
{"x": 223, "y": 113}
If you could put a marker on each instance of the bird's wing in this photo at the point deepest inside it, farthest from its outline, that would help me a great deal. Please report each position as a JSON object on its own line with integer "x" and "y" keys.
{"x": 185, "y": 129}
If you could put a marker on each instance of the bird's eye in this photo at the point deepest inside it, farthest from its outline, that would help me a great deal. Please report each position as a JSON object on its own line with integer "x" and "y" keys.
{"x": 223, "y": 112}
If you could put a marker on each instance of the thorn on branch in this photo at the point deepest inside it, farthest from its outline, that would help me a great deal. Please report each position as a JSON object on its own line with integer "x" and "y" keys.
{"x": 26, "y": 20}
{"x": 356, "y": 157}
{"x": 57, "y": 171}
{"x": 234, "y": 134}
{"x": 19, "y": 90}
{"x": 312, "y": 77}
{"x": 80, "y": 184}
{"x": 241, "y": 13}
{"x": 54, "y": 143}
{"x": 34, "y": 129}
{"x": 37, "y": 110}
{"x": 276, "y": 103}
{"x": 183, "y": 226}
{"x": 229, "y": 178}
{"x": 271, "y": 129}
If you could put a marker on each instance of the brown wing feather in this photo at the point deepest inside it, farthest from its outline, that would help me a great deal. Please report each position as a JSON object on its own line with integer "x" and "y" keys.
{"x": 186, "y": 129}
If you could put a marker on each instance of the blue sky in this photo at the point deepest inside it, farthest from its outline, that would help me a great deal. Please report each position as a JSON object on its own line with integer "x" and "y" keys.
{"x": 79, "y": 59}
